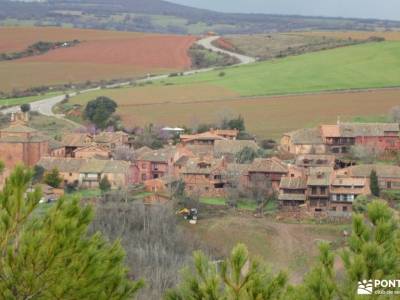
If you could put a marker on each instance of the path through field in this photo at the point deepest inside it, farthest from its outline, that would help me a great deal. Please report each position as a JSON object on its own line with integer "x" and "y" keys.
{"x": 45, "y": 106}
{"x": 207, "y": 43}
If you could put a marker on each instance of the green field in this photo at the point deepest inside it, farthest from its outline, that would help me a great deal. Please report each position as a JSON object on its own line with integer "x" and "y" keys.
{"x": 372, "y": 65}
{"x": 29, "y": 99}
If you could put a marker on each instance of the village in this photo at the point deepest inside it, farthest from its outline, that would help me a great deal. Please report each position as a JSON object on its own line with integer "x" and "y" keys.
{"x": 309, "y": 173}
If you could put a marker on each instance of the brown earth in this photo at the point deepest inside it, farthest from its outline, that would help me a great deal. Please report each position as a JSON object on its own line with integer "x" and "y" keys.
{"x": 145, "y": 52}
{"x": 289, "y": 247}
{"x": 266, "y": 117}
{"x": 102, "y": 55}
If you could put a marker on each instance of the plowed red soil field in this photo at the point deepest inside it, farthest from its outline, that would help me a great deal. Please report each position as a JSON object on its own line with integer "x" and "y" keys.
{"x": 101, "y": 55}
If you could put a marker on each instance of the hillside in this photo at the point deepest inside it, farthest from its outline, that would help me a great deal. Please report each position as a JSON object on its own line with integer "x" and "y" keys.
{"x": 245, "y": 89}
{"x": 100, "y": 55}
{"x": 163, "y": 16}
{"x": 373, "y": 65}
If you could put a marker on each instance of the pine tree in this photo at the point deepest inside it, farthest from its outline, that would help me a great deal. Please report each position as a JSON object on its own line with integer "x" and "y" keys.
{"x": 372, "y": 253}
{"x": 374, "y": 184}
{"x": 104, "y": 184}
{"x": 53, "y": 178}
{"x": 238, "y": 277}
{"x": 50, "y": 255}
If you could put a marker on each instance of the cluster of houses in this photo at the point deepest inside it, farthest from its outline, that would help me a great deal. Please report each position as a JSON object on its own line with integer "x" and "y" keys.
{"x": 313, "y": 180}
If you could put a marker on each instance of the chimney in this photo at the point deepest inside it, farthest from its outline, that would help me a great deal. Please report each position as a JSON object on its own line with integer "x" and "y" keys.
{"x": 338, "y": 120}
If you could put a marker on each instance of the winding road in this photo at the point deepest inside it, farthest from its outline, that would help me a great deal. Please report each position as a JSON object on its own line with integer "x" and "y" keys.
{"x": 45, "y": 106}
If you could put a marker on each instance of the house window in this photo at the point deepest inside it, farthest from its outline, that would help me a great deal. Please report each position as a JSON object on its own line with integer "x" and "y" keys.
{"x": 344, "y": 208}
{"x": 389, "y": 184}
{"x": 219, "y": 185}
{"x": 314, "y": 190}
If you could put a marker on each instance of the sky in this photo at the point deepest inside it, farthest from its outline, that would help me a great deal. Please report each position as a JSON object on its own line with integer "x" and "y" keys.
{"x": 379, "y": 9}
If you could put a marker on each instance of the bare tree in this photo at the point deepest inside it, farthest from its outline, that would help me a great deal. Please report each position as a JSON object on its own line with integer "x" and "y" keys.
{"x": 261, "y": 190}
{"x": 156, "y": 247}
{"x": 366, "y": 154}
{"x": 123, "y": 153}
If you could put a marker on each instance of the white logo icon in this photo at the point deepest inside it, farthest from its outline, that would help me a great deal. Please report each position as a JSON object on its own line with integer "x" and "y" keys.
{"x": 365, "y": 287}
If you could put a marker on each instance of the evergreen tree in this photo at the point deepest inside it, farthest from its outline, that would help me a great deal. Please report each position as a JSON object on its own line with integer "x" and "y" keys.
{"x": 100, "y": 110}
{"x": 53, "y": 178}
{"x": 374, "y": 184}
{"x": 105, "y": 184}
{"x": 237, "y": 278}
{"x": 50, "y": 255}
{"x": 246, "y": 155}
{"x": 372, "y": 253}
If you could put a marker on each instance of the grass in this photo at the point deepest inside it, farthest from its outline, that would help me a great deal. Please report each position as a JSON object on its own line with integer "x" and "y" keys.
{"x": 244, "y": 204}
{"x": 371, "y": 119}
{"x": 205, "y": 97}
{"x": 213, "y": 201}
{"x": 30, "y": 99}
{"x": 283, "y": 246}
{"x": 52, "y": 126}
{"x": 373, "y": 65}
{"x": 87, "y": 193}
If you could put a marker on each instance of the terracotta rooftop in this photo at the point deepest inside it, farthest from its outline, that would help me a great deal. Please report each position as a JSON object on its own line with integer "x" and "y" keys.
{"x": 330, "y": 130}
{"x": 367, "y": 129}
{"x": 232, "y": 146}
{"x": 18, "y": 128}
{"x": 308, "y": 136}
{"x": 162, "y": 155}
{"x": 268, "y": 165}
{"x": 77, "y": 139}
{"x": 293, "y": 183}
{"x": 315, "y": 160}
{"x": 384, "y": 171}
{"x": 201, "y": 136}
{"x": 76, "y": 165}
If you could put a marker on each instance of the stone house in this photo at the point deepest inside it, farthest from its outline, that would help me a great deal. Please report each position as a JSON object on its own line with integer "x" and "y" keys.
{"x": 87, "y": 173}
{"x": 292, "y": 193}
{"x": 388, "y": 175}
{"x": 272, "y": 169}
{"x": 230, "y": 148}
{"x": 67, "y": 166}
{"x": 111, "y": 140}
{"x": 153, "y": 164}
{"x": 303, "y": 141}
{"x": 92, "y": 151}
{"x": 205, "y": 176}
{"x": 344, "y": 190}
{"x": 318, "y": 183}
{"x": 73, "y": 141}
{"x": 307, "y": 161}
{"x": 20, "y": 144}
{"x": 341, "y": 137}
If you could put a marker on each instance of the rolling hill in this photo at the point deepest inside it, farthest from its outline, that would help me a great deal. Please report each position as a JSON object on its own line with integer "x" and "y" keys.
{"x": 163, "y": 16}
{"x": 315, "y": 79}
{"x": 101, "y": 55}
{"x": 372, "y": 65}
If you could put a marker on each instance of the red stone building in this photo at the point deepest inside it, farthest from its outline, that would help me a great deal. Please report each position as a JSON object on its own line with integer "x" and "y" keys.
{"x": 22, "y": 145}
